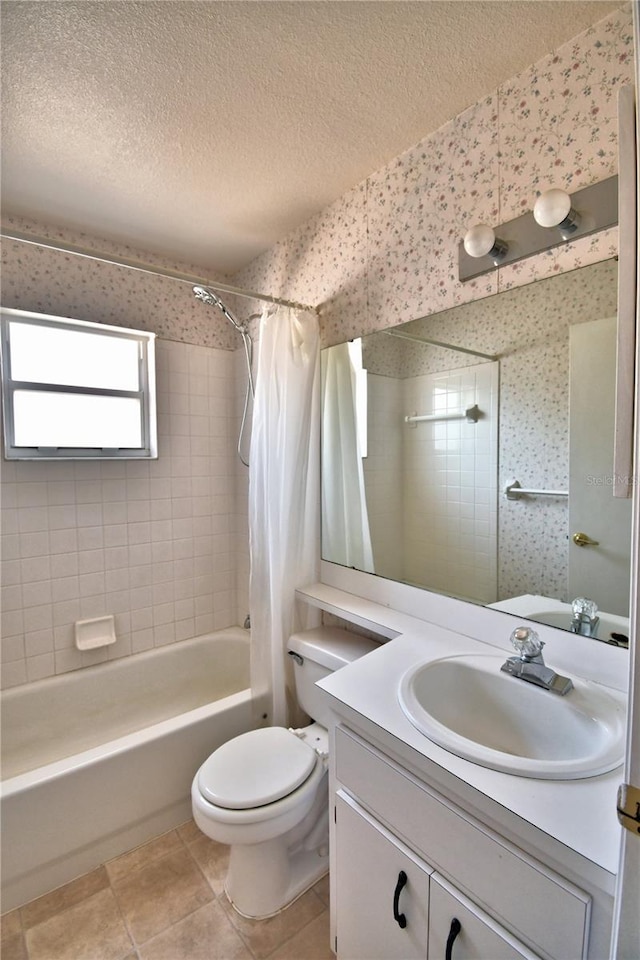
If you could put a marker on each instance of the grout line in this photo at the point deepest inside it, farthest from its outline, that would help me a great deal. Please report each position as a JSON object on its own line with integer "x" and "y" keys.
{"x": 297, "y": 933}
{"x": 124, "y": 921}
{"x": 136, "y": 946}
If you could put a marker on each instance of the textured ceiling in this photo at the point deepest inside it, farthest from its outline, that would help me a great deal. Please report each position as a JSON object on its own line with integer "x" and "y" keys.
{"x": 206, "y": 131}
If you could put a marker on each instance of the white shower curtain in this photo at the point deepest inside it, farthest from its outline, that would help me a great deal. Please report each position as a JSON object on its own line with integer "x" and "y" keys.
{"x": 346, "y": 537}
{"x": 284, "y": 525}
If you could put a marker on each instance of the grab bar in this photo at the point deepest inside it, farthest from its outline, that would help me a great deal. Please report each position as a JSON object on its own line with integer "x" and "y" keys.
{"x": 514, "y": 490}
{"x": 471, "y": 415}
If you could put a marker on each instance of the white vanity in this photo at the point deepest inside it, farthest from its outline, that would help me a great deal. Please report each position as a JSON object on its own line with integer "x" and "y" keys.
{"x": 436, "y": 856}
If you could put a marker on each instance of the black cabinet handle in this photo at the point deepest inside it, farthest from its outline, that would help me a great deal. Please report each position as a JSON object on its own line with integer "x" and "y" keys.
{"x": 456, "y": 927}
{"x": 400, "y": 918}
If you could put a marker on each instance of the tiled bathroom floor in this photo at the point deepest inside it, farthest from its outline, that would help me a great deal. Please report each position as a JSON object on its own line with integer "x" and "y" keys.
{"x": 163, "y": 901}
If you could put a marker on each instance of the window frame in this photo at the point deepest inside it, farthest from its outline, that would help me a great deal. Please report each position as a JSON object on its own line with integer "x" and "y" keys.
{"x": 146, "y": 392}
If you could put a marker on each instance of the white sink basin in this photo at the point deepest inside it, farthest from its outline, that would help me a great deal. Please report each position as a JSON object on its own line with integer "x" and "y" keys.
{"x": 468, "y": 706}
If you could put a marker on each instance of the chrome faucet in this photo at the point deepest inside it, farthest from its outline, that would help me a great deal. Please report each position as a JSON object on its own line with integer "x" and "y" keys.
{"x": 584, "y": 618}
{"x": 530, "y": 666}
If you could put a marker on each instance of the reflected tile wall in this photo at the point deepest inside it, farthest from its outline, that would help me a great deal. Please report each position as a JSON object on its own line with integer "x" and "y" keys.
{"x": 529, "y": 329}
{"x": 449, "y": 484}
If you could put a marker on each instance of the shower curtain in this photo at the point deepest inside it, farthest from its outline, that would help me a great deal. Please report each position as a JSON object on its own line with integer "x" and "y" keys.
{"x": 284, "y": 525}
{"x": 346, "y": 537}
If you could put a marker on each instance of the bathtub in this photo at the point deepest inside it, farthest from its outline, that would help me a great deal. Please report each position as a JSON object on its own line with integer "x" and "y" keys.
{"x": 99, "y": 760}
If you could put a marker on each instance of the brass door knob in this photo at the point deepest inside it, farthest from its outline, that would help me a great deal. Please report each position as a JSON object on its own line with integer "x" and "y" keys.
{"x": 582, "y": 540}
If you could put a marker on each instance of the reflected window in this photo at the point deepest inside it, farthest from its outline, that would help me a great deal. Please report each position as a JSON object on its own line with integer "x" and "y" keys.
{"x": 361, "y": 395}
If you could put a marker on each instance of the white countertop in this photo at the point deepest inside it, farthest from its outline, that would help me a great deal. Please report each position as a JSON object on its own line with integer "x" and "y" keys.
{"x": 580, "y": 814}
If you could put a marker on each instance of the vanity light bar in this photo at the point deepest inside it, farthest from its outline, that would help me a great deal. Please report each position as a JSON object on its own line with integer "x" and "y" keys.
{"x": 596, "y": 205}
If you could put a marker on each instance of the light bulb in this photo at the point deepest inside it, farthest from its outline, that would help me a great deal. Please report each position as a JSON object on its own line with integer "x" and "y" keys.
{"x": 553, "y": 209}
{"x": 481, "y": 241}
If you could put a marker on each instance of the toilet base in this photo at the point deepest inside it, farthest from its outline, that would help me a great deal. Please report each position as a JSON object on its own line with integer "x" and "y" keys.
{"x": 264, "y": 878}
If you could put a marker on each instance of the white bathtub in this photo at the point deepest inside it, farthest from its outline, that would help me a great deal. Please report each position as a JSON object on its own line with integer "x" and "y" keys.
{"x": 99, "y": 760}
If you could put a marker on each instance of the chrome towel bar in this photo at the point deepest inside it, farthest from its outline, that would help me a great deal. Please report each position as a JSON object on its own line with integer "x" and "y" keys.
{"x": 514, "y": 491}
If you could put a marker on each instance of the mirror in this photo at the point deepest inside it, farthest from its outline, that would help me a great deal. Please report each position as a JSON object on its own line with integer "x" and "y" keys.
{"x": 489, "y": 432}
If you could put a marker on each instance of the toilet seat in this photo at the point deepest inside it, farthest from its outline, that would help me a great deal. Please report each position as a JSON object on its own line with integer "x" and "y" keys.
{"x": 256, "y": 768}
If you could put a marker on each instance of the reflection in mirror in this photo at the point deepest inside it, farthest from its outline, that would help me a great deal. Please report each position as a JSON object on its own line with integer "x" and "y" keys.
{"x": 518, "y": 388}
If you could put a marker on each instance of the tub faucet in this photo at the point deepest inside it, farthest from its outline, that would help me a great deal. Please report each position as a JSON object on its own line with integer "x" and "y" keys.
{"x": 584, "y": 618}
{"x": 530, "y": 666}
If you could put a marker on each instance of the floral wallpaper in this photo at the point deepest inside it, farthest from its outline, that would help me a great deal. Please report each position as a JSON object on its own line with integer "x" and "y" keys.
{"x": 386, "y": 252}
{"x": 48, "y": 281}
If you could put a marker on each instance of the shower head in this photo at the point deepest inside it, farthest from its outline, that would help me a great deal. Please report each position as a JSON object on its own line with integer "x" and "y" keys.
{"x": 207, "y": 296}
{"x": 202, "y": 293}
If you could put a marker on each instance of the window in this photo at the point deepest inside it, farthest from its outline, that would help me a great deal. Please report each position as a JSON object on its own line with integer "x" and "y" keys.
{"x": 361, "y": 395}
{"x": 76, "y": 390}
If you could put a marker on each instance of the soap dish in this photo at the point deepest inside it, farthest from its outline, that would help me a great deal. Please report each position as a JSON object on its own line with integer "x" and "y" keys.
{"x": 97, "y": 632}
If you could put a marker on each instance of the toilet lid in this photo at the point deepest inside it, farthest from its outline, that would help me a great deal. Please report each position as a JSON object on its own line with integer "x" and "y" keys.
{"x": 256, "y": 768}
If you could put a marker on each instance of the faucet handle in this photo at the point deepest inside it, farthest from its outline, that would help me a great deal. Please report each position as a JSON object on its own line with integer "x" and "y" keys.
{"x": 527, "y": 642}
{"x": 583, "y": 607}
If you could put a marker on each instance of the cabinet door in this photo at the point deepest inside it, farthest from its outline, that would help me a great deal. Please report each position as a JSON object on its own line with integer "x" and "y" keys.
{"x": 382, "y": 891}
{"x": 459, "y": 930}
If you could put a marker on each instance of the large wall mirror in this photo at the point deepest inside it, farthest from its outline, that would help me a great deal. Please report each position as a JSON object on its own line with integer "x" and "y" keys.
{"x": 465, "y": 453}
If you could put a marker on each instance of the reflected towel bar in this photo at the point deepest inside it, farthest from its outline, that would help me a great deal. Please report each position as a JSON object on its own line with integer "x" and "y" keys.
{"x": 471, "y": 415}
{"x": 513, "y": 491}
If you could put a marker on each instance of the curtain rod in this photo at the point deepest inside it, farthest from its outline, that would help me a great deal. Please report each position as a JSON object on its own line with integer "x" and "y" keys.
{"x": 147, "y": 268}
{"x": 438, "y": 343}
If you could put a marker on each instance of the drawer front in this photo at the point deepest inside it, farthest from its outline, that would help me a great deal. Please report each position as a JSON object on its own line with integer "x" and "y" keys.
{"x": 533, "y": 902}
{"x": 477, "y": 937}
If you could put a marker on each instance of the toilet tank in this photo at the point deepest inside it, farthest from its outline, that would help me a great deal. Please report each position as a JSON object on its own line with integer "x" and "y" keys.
{"x": 317, "y": 653}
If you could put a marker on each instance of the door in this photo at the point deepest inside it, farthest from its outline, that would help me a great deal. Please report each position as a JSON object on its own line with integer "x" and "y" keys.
{"x": 625, "y": 944}
{"x": 382, "y": 890}
{"x": 601, "y": 571}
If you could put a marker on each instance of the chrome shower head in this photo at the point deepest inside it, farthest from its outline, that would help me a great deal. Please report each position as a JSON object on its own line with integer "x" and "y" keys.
{"x": 204, "y": 294}
{"x": 201, "y": 293}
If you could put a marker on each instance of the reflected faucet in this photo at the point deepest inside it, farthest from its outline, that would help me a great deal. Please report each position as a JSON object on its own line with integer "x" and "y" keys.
{"x": 530, "y": 665}
{"x": 584, "y": 620}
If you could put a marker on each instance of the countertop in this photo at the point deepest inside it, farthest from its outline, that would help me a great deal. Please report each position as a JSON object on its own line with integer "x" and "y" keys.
{"x": 580, "y": 814}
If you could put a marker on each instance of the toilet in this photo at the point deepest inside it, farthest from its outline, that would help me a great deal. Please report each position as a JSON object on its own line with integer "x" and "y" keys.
{"x": 265, "y": 792}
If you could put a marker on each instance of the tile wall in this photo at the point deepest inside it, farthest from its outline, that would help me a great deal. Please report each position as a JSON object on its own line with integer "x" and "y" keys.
{"x": 432, "y": 487}
{"x": 449, "y": 484}
{"x": 153, "y": 543}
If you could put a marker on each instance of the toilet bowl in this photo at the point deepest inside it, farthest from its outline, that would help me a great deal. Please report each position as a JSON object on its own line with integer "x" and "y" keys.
{"x": 265, "y": 793}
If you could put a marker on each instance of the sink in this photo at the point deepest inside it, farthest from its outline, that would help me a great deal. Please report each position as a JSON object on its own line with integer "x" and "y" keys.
{"x": 608, "y": 625}
{"x": 468, "y": 706}
{"x": 555, "y": 613}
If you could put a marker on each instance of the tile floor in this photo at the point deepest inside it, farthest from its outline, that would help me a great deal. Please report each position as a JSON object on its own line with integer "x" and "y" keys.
{"x": 163, "y": 901}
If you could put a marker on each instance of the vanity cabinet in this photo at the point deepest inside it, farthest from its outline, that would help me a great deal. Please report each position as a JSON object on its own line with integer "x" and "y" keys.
{"x": 402, "y": 850}
{"x": 391, "y": 905}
